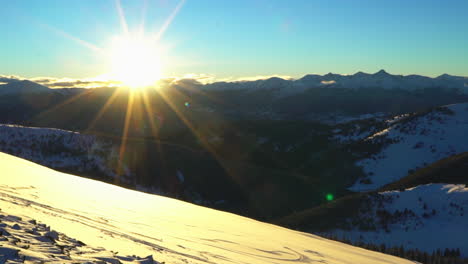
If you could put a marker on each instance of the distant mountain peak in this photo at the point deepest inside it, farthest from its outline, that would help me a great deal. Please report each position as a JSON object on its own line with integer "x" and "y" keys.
{"x": 382, "y": 73}
{"x": 275, "y": 78}
{"x": 444, "y": 76}
{"x": 22, "y": 86}
{"x": 332, "y": 75}
{"x": 361, "y": 74}
{"x": 308, "y": 76}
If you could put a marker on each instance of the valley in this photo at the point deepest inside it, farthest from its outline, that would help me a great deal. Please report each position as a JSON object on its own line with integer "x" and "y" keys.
{"x": 348, "y": 167}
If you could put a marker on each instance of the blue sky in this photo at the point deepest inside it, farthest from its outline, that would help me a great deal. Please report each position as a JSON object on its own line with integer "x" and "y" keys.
{"x": 242, "y": 38}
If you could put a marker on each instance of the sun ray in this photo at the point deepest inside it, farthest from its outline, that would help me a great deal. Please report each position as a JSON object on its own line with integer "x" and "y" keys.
{"x": 181, "y": 116}
{"x": 143, "y": 17}
{"x": 123, "y": 143}
{"x": 210, "y": 97}
{"x": 149, "y": 111}
{"x": 123, "y": 21}
{"x": 169, "y": 20}
{"x": 154, "y": 129}
{"x": 103, "y": 109}
{"x": 83, "y": 43}
{"x": 197, "y": 134}
{"x": 56, "y": 107}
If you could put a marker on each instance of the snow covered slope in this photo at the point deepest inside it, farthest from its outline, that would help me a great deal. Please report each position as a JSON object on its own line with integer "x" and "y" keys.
{"x": 414, "y": 142}
{"x": 58, "y": 149}
{"x": 427, "y": 217}
{"x": 24, "y": 240}
{"x": 131, "y": 223}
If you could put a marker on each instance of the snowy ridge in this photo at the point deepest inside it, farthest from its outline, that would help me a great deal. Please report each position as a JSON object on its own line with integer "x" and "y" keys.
{"x": 58, "y": 149}
{"x": 414, "y": 142}
{"x": 172, "y": 231}
{"x": 358, "y": 128}
{"x": 427, "y": 217}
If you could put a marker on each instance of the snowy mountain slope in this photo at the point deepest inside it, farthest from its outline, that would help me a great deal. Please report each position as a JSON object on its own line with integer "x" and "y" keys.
{"x": 24, "y": 240}
{"x": 414, "y": 142}
{"x": 427, "y": 217}
{"x": 86, "y": 155}
{"x": 58, "y": 149}
{"x": 353, "y": 129}
{"x": 172, "y": 231}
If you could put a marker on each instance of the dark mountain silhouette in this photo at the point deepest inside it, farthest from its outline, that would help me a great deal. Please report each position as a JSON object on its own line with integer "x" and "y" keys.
{"x": 22, "y": 87}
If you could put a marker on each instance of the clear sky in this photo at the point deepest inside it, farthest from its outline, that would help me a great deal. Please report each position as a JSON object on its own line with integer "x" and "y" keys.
{"x": 240, "y": 38}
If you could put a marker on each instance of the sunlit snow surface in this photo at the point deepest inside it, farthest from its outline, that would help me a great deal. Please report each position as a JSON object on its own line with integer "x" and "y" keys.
{"x": 134, "y": 223}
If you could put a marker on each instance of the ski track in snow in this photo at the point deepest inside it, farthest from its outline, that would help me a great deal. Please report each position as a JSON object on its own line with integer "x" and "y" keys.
{"x": 172, "y": 231}
{"x": 24, "y": 240}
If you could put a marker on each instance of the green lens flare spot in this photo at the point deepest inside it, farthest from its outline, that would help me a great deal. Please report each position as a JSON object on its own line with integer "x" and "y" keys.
{"x": 330, "y": 197}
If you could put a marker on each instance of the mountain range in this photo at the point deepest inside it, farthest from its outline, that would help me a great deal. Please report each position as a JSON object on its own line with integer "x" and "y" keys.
{"x": 381, "y": 80}
{"x": 285, "y": 87}
{"x": 358, "y": 158}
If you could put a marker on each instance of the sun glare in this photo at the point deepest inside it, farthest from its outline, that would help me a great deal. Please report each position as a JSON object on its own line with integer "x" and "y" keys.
{"x": 135, "y": 61}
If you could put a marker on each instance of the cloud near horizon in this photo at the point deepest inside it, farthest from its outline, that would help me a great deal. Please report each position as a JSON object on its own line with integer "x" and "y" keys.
{"x": 57, "y": 83}
{"x": 188, "y": 79}
{"x": 9, "y": 78}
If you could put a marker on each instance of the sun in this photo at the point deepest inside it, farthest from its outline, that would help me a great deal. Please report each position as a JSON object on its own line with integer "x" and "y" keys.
{"x": 135, "y": 61}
